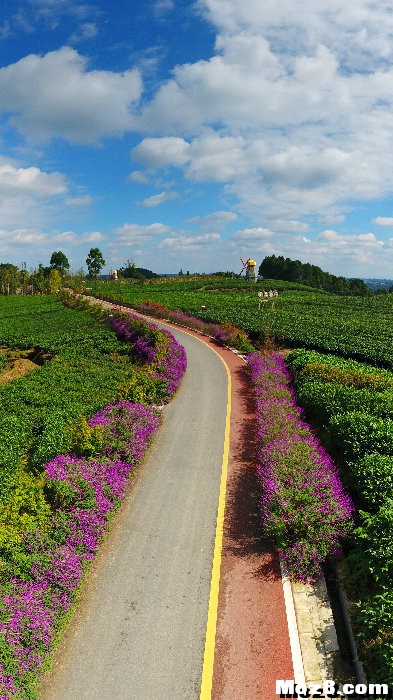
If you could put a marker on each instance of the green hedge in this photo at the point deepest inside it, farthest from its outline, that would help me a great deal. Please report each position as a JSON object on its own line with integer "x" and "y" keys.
{"x": 356, "y": 433}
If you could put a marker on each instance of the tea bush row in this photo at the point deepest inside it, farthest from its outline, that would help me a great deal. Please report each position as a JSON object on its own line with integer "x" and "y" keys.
{"x": 348, "y": 404}
{"x": 356, "y": 327}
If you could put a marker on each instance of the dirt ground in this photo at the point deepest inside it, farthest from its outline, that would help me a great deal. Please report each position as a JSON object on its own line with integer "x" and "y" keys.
{"x": 18, "y": 364}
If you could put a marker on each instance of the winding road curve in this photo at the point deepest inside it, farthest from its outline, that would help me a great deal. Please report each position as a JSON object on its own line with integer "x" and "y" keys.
{"x": 139, "y": 632}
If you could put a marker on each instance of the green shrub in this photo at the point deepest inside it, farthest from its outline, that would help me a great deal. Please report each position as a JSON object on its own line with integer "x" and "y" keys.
{"x": 143, "y": 388}
{"x": 356, "y": 433}
{"x": 371, "y": 572}
{"x": 56, "y": 438}
{"x": 323, "y": 401}
{"x": 26, "y": 510}
{"x": 372, "y": 477}
{"x": 85, "y": 440}
{"x": 309, "y": 365}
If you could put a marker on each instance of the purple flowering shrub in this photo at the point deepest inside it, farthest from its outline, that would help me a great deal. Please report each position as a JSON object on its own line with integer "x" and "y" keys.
{"x": 164, "y": 358}
{"x": 224, "y": 333}
{"x": 38, "y": 591}
{"x": 303, "y": 503}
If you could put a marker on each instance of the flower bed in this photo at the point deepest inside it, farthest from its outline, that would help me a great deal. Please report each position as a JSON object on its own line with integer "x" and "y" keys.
{"x": 303, "y": 503}
{"x": 165, "y": 357}
{"x": 50, "y": 564}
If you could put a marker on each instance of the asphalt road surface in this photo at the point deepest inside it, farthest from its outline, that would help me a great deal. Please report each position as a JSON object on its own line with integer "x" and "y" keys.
{"x": 140, "y": 630}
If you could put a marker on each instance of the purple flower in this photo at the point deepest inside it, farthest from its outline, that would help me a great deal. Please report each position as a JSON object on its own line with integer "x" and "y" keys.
{"x": 303, "y": 503}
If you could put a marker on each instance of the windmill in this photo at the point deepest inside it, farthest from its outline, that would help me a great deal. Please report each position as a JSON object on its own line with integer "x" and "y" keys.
{"x": 250, "y": 267}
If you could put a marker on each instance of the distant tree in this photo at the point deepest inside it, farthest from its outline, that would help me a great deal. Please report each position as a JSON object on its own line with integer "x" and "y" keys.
{"x": 129, "y": 270}
{"x": 59, "y": 262}
{"x": 9, "y": 278}
{"x": 180, "y": 273}
{"x": 39, "y": 279}
{"x": 95, "y": 262}
{"x": 55, "y": 281}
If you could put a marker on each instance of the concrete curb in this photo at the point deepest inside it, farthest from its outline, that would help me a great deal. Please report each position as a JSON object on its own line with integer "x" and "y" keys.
{"x": 317, "y": 632}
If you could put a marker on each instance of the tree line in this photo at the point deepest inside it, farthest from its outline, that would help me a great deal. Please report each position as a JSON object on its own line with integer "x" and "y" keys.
{"x": 280, "y": 268}
{"x": 48, "y": 278}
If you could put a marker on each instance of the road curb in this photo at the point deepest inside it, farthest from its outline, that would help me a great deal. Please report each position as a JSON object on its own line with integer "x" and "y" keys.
{"x": 317, "y": 631}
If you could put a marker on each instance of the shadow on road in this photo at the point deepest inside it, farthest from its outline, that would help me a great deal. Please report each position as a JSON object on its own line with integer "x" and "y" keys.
{"x": 243, "y": 530}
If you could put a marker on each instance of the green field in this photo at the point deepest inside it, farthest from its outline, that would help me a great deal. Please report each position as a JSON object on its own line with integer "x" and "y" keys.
{"x": 358, "y": 327}
{"x": 79, "y": 366}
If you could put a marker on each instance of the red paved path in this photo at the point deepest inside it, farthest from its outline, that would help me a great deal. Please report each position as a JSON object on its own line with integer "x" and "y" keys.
{"x": 252, "y": 645}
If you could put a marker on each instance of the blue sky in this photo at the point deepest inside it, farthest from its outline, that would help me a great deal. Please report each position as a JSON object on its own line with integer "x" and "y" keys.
{"x": 190, "y": 134}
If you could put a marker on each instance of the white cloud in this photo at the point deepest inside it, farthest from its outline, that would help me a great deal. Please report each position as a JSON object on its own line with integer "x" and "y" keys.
{"x": 162, "y": 8}
{"x": 22, "y": 237}
{"x": 183, "y": 243}
{"x": 293, "y": 112}
{"x": 78, "y": 201}
{"x": 289, "y": 226}
{"x": 92, "y": 237}
{"x": 161, "y": 152}
{"x": 250, "y": 241}
{"x": 139, "y": 177}
{"x": 57, "y": 96}
{"x": 30, "y": 181}
{"x": 156, "y": 199}
{"x": 29, "y": 196}
{"x": 383, "y": 221}
{"x": 86, "y": 31}
{"x": 137, "y": 234}
{"x": 64, "y": 237}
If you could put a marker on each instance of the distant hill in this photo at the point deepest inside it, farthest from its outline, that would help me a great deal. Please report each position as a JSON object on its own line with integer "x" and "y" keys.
{"x": 378, "y": 284}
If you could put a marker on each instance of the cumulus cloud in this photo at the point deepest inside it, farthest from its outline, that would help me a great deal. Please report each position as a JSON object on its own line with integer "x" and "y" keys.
{"x": 92, "y": 237}
{"x": 22, "y": 237}
{"x": 57, "y": 96}
{"x": 292, "y": 113}
{"x": 86, "y": 31}
{"x": 383, "y": 221}
{"x": 29, "y": 181}
{"x": 29, "y": 195}
{"x": 161, "y": 152}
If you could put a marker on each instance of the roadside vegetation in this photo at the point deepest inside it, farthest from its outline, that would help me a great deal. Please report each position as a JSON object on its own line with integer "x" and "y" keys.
{"x": 72, "y": 430}
{"x": 350, "y": 404}
{"x": 342, "y": 373}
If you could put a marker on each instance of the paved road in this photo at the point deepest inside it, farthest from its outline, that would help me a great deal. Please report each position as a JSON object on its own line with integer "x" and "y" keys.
{"x": 142, "y": 628}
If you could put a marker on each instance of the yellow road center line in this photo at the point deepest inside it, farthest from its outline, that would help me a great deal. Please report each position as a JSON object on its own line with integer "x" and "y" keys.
{"x": 211, "y": 627}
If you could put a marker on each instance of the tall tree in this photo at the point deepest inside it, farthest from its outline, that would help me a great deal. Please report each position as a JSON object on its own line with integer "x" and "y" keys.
{"x": 59, "y": 262}
{"x": 95, "y": 262}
